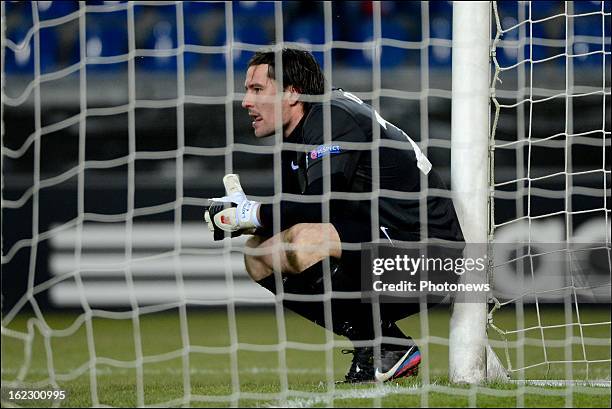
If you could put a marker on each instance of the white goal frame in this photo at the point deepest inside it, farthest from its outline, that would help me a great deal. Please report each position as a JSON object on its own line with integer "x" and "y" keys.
{"x": 469, "y": 361}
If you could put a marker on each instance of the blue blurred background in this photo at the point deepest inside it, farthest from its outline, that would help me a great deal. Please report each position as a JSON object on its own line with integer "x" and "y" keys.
{"x": 204, "y": 24}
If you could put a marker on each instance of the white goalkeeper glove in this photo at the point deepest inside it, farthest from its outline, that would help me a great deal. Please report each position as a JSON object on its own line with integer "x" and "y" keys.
{"x": 241, "y": 219}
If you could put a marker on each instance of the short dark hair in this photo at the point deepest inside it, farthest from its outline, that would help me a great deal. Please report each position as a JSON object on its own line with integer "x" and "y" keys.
{"x": 300, "y": 70}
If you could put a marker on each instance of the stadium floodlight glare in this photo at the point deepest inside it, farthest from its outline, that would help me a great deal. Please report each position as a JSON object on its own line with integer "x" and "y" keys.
{"x": 515, "y": 177}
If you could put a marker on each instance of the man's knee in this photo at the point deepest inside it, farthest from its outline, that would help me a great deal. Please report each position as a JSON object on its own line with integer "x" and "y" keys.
{"x": 308, "y": 243}
{"x": 311, "y": 243}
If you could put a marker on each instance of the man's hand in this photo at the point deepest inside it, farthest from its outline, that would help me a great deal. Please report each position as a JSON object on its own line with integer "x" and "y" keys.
{"x": 239, "y": 219}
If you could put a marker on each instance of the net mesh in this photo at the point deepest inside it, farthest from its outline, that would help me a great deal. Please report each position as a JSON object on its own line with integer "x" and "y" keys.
{"x": 110, "y": 344}
{"x": 564, "y": 165}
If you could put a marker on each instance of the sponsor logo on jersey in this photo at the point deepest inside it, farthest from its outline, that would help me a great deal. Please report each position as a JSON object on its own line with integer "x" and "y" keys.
{"x": 323, "y": 150}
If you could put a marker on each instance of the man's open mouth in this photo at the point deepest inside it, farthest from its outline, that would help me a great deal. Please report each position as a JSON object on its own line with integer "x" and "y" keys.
{"x": 255, "y": 119}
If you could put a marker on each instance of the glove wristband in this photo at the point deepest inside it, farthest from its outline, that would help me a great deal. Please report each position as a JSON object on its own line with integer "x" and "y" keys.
{"x": 246, "y": 212}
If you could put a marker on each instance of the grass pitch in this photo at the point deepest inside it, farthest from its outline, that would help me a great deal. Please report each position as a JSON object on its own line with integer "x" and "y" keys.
{"x": 262, "y": 361}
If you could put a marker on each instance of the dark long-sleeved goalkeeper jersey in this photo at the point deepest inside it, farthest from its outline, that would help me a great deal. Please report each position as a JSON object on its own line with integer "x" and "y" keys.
{"x": 355, "y": 165}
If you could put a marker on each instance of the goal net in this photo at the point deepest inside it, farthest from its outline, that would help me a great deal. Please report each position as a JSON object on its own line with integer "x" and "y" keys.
{"x": 119, "y": 120}
{"x": 550, "y": 188}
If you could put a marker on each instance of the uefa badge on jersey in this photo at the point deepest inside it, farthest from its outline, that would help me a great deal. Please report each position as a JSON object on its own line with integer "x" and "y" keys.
{"x": 324, "y": 150}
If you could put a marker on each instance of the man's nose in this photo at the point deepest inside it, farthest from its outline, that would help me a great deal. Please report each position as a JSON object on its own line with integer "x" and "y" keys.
{"x": 246, "y": 102}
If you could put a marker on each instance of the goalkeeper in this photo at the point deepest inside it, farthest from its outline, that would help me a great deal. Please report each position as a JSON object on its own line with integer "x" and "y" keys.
{"x": 305, "y": 244}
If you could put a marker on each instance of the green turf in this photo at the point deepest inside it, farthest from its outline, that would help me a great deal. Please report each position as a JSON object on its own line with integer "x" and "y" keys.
{"x": 301, "y": 355}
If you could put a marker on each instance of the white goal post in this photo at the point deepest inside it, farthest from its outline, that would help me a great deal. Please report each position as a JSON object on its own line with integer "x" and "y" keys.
{"x": 477, "y": 108}
{"x": 470, "y": 175}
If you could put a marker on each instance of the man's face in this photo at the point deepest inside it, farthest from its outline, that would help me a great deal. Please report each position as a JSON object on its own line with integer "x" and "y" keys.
{"x": 259, "y": 101}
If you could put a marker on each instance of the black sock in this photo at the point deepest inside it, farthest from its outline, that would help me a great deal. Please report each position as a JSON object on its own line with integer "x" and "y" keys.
{"x": 307, "y": 282}
{"x": 390, "y": 329}
{"x": 351, "y": 317}
{"x": 347, "y": 314}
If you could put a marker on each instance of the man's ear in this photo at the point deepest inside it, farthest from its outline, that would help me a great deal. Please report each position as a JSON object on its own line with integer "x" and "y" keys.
{"x": 293, "y": 95}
